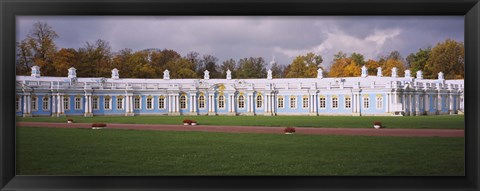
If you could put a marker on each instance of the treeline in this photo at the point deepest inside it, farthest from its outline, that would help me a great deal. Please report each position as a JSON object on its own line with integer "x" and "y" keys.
{"x": 97, "y": 60}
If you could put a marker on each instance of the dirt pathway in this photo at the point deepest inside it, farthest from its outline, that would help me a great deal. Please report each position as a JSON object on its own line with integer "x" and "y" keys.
{"x": 270, "y": 130}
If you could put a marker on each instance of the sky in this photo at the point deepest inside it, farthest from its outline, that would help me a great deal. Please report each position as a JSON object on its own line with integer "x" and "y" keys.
{"x": 237, "y": 37}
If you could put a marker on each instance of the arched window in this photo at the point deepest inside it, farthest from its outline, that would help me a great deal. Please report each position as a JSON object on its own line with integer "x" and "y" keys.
{"x": 379, "y": 102}
{"x": 305, "y": 102}
{"x": 149, "y": 102}
{"x": 78, "y": 103}
{"x": 280, "y": 102}
{"x": 259, "y": 101}
{"x": 161, "y": 102}
{"x": 183, "y": 102}
{"x": 201, "y": 101}
{"x": 241, "y": 101}
{"x": 119, "y": 103}
{"x": 293, "y": 102}
{"x": 221, "y": 101}
{"x": 34, "y": 103}
{"x": 335, "y": 102}
{"x": 66, "y": 103}
{"x": 348, "y": 102}
{"x": 136, "y": 102}
{"x": 366, "y": 103}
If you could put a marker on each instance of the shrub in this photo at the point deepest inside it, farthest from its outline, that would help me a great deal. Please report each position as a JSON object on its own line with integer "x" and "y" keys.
{"x": 99, "y": 125}
{"x": 289, "y": 130}
{"x": 377, "y": 123}
{"x": 187, "y": 121}
{"x": 193, "y": 121}
{"x": 69, "y": 119}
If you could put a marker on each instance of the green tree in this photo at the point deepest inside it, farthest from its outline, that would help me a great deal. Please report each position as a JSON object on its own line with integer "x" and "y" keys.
{"x": 251, "y": 68}
{"x": 305, "y": 66}
{"x": 95, "y": 60}
{"x": 358, "y": 58}
{"x": 24, "y": 58}
{"x": 228, "y": 65}
{"x": 418, "y": 61}
{"x": 447, "y": 57}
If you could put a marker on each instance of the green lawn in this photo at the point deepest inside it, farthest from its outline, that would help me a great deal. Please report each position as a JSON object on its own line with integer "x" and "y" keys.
{"x": 49, "y": 151}
{"x": 426, "y": 122}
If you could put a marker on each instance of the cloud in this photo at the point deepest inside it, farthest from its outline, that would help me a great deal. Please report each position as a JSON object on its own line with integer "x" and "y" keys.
{"x": 336, "y": 40}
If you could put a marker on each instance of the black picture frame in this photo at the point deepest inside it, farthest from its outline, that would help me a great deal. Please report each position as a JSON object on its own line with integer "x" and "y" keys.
{"x": 9, "y": 9}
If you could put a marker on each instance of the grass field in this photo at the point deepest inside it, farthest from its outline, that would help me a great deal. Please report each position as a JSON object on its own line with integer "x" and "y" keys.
{"x": 49, "y": 151}
{"x": 420, "y": 122}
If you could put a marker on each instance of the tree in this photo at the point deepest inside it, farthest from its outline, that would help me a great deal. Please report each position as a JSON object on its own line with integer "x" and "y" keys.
{"x": 24, "y": 58}
{"x": 210, "y": 64}
{"x": 251, "y": 68}
{"x": 304, "y": 66}
{"x": 228, "y": 65}
{"x": 358, "y": 58}
{"x": 64, "y": 59}
{"x": 95, "y": 60}
{"x": 388, "y": 65}
{"x": 339, "y": 55}
{"x": 447, "y": 57}
{"x": 181, "y": 68}
{"x": 344, "y": 67}
{"x": 278, "y": 70}
{"x": 418, "y": 61}
{"x": 41, "y": 46}
{"x": 372, "y": 66}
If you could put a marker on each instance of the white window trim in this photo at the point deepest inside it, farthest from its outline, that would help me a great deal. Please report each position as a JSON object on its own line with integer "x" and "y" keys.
{"x": 381, "y": 102}
{"x": 139, "y": 103}
{"x": 345, "y": 103}
{"x": 109, "y": 103}
{"x": 97, "y": 102}
{"x": 68, "y": 103}
{"x": 48, "y": 104}
{"x": 75, "y": 103}
{"x": 164, "y": 102}
{"x": 368, "y": 103}
{"x": 153, "y": 103}
{"x": 308, "y": 102}
{"x": 200, "y": 101}
{"x": 338, "y": 104}
{"x": 320, "y": 102}
{"x": 256, "y": 101}
{"x": 218, "y": 102}
{"x": 238, "y": 102}
{"x": 123, "y": 103}
{"x": 36, "y": 103}
{"x": 283, "y": 103}
{"x": 290, "y": 102}
{"x": 180, "y": 102}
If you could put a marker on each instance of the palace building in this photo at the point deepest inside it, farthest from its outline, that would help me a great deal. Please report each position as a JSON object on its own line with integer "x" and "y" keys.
{"x": 365, "y": 95}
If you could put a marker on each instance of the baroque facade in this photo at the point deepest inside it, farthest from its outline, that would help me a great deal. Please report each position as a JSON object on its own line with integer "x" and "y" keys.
{"x": 38, "y": 95}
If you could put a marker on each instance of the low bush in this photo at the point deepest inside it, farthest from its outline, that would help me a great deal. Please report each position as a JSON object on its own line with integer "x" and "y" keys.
{"x": 289, "y": 130}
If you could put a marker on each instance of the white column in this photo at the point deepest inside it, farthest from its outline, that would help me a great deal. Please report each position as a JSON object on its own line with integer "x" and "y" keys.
{"x": 25, "y": 104}
{"x": 266, "y": 106}
{"x": 194, "y": 103}
{"x": 426, "y": 103}
{"x": 177, "y": 103}
{"x": 450, "y": 103}
{"x": 439, "y": 103}
{"x": 85, "y": 105}
{"x": 54, "y": 108}
{"x": 417, "y": 104}
{"x": 170, "y": 103}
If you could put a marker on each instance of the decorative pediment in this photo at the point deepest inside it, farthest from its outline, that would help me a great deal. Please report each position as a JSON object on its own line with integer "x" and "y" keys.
{"x": 120, "y": 97}
{"x": 365, "y": 95}
{"x": 379, "y": 95}
{"x": 334, "y": 96}
{"x": 161, "y": 97}
{"x": 78, "y": 96}
{"x": 149, "y": 97}
{"x": 107, "y": 97}
{"x": 321, "y": 96}
{"x": 305, "y": 96}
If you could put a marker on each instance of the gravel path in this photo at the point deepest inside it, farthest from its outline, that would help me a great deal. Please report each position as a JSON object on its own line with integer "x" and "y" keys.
{"x": 270, "y": 130}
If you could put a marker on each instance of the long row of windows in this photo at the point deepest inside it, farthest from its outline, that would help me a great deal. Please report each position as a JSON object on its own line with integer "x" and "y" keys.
{"x": 201, "y": 102}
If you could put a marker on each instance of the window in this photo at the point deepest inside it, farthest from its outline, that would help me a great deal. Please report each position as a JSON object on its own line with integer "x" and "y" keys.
{"x": 293, "y": 102}
{"x": 95, "y": 103}
{"x": 259, "y": 101}
{"x": 149, "y": 102}
{"x": 183, "y": 102}
{"x": 17, "y": 104}
{"x": 241, "y": 101}
{"x": 221, "y": 101}
{"x": 78, "y": 103}
{"x": 305, "y": 102}
{"x": 119, "y": 103}
{"x": 322, "y": 102}
{"x": 201, "y": 102}
{"x": 379, "y": 102}
{"x": 107, "y": 103}
{"x": 161, "y": 102}
{"x": 334, "y": 102}
{"x": 280, "y": 102}
{"x": 45, "y": 105}
{"x": 366, "y": 103}
{"x": 348, "y": 102}
{"x": 34, "y": 103}
{"x": 66, "y": 103}
{"x": 136, "y": 102}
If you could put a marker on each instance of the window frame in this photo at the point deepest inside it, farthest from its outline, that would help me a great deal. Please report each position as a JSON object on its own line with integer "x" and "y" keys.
{"x": 45, "y": 102}
{"x": 241, "y": 101}
{"x": 335, "y": 103}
